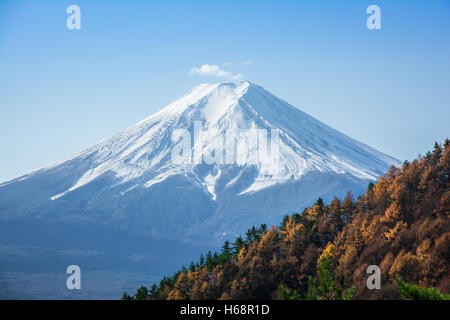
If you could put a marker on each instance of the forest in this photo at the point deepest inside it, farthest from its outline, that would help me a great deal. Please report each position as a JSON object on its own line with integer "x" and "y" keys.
{"x": 400, "y": 224}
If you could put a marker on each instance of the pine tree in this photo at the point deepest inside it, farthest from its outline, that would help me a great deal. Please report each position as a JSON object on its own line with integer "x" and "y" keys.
{"x": 285, "y": 293}
{"x": 154, "y": 291}
{"x": 348, "y": 207}
{"x": 283, "y": 222}
{"x": 328, "y": 287}
{"x": 126, "y": 296}
{"x": 336, "y": 221}
{"x": 409, "y": 291}
{"x": 254, "y": 234}
{"x": 142, "y": 293}
{"x": 262, "y": 229}
{"x": 446, "y": 143}
{"x": 209, "y": 261}
{"x": 320, "y": 206}
{"x": 226, "y": 252}
{"x": 237, "y": 245}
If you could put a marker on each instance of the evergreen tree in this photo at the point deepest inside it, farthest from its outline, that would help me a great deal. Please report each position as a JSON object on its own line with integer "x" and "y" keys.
{"x": 226, "y": 248}
{"x": 412, "y": 292}
{"x": 262, "y": 229}
{"x": 336, "y": 221}
{"x": 238, "y": 244}
{"x": 320, "y": 206}
{"x": 226, "y": 252}
{"x": 142, "y": 293}
{"x": 446, "y": 143}
{"x": 285, "y": 293}
{"x": 252, "y": 235}
{"x": 209, "y": 261}
{"x": 327, "y": 288}
{"x": 126, "y": 296}
{"x": 296, "y": 217}
{"x": 348, "y": 207}
{"x": 283, "y": 222}
{"x": 154, "y": 291}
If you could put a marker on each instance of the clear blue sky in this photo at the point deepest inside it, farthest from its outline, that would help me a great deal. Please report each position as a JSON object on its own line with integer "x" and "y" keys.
{"x": 62, "y": 90}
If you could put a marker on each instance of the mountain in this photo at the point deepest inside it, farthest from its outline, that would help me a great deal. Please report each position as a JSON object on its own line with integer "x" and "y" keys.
{"x": 206, "y": 167}
{"x": 400, "y": 226}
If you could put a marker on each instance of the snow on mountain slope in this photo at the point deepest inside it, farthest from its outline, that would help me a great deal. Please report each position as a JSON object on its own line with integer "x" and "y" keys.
{"x": 245, "y": 143}
{"x": 144, "y": 150}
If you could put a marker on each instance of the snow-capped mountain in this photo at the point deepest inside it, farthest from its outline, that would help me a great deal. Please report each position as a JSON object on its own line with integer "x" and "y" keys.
{"x": 207, "y": 167}
{"x": 225, "y": 181}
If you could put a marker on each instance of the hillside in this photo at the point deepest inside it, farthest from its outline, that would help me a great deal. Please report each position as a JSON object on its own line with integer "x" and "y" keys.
{"x": 401, "y": 224}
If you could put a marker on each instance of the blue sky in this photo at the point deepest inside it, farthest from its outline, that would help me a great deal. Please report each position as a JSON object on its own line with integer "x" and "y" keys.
{"x": 62, "y": 90}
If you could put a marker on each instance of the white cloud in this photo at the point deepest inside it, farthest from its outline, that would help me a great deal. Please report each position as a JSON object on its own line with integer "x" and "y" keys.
{"x": 214, "y": 71}
{"x": 247, "y": 62}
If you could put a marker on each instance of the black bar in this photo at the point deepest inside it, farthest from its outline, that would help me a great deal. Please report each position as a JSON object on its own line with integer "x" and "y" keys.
{"x": 250, "y": 309}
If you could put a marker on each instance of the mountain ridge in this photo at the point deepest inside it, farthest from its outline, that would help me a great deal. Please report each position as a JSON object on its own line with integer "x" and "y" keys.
{"x": 171, "y": 113}
{"x": 250, "y": 158}
{"x": 228, "y": 114}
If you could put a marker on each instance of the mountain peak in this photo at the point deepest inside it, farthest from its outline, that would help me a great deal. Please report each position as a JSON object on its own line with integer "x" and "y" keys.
{"x": 245, "y": 153}
{"x": 224, "y": 110}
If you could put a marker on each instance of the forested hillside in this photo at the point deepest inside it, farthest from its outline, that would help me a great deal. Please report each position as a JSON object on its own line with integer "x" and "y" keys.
{"x": 400, "y": 224}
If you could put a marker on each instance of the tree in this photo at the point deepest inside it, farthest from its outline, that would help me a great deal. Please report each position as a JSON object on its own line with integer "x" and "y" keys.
{"x": 209, "y": 261}
{"x": 410, "y": 291}
{"x": 126, "y": 296}
{"x": 285, "y": 293}
{"x": 328, "y": 287}
{"x": 446, "y": 143}
{"x": 253, "y": 234}
{"x": 142, "y": 293}
{"x": 336, "y": 222}
{"x": 319, "y": 206}
{"x": 154, "y": 291}
{"x": 262, "y": 229}
{"x": 181, "y": 288}
{"x": 202, "y": 260}
{"x": 348, "y": 207}
{"x": 226, "y": 252}
{"x": 238, "y": 244}
{"x": 226, "y": 248}
{"x": 283, "y": 222}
